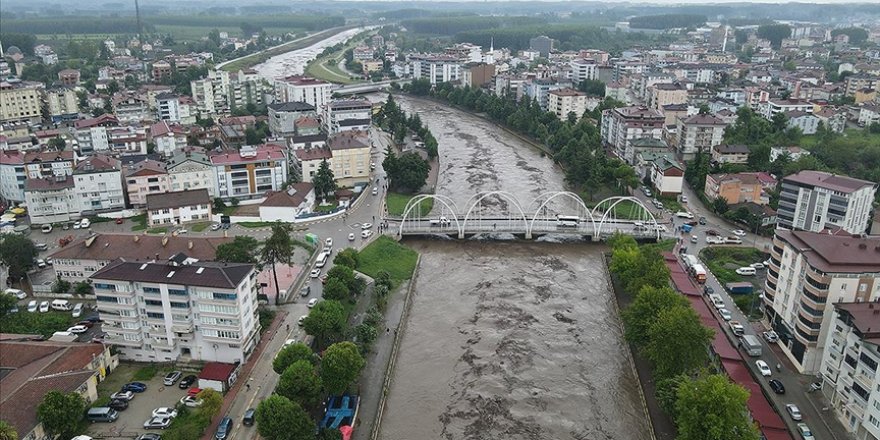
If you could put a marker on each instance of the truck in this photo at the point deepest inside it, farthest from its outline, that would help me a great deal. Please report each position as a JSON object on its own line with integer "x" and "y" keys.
{"x": 699, "y": 273}
{"x": 689, "y": 261}
{"x": 740, "y": 288}
{"x": 751, "y": 344}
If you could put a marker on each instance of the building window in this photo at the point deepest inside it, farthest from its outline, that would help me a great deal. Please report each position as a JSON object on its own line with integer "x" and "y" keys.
{"x": 151, "y": 290}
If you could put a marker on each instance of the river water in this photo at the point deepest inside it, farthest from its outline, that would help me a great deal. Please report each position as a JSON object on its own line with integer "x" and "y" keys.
{"x": 508, "y": 340}
{"x": 295, "y": 61}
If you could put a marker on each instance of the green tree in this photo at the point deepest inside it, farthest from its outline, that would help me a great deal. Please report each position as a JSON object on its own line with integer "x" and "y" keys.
{"x": 7, "y": 432}
{"x": 326, "y": 321}
{"x": 667, "y": 393}
{"x": 677, "y": 342}
{"x": 775, "y": 33}
{"x": 7, "y": 302}
{"x": 57, "y": 143}
{"x": 366, "y": 334}
{"x": 18, "y": 253}
{"x": 340, "y": 367}
{"x": 719, "y": 205}
{"x": 212, "y": 401}
{"x": 348, "y": 257}
{"x": 409, "y": 173}
{"x": 60, "y": 286}
{"x": 643, "y": 311}
{"x": 323, "y": 180}
{"x": 290, "y": 355}
{"x": 330, "y": 433}
{"x": 280, "y": 419}
{"x": 301, "y": 384}
{"x": 278, "y": 248}
{"x": 82, "y": 288}
{"x": 383, "y": 278}
{"x": 336, "y": 289}
{"x": 344, "y": 274}
{"x": 592, "y": 87}
{"x": 242, "y": 249}
{"x": 712, "y": 408}
{"x": 61, "y": 414}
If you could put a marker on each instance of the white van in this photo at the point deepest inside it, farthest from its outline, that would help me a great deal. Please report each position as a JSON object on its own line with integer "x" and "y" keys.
{"x": 62, "y": 305}
{"x": 322, "y": 259}
{"x": 746, "y": 271}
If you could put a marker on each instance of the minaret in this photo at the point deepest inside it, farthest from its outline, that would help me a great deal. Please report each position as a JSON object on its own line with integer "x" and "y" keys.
{"x": 724, "y": 44}
{"x": 490, "y": 58}
{"x": 137, "y": 13}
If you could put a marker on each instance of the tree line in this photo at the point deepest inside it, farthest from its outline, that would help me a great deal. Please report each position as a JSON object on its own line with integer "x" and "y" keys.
{"x": 73, "y": 25}
{"x": 661, "y": 326}
{"x": 575, "y": 143}
{"x": 406, "y": 172}
{"x": 667, "y": 21}
{"x": 569, "y": 36}
{"x": 451, "y": 25}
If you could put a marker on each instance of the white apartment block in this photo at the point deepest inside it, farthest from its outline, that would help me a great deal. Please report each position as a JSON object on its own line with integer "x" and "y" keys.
{"x": 48, "y": 164}
{"x": 62, "y": 104}
{"x": 436, "y": 69}
{"x": 163, "y": 311}
{"x": 179, "y": 207}
{"x": 808, "y": 273}
{"x": 350, "y": 114}
{"x": 698, "y": 134}
{"x": 12, "y": 176}
{"x": 582, "y": 69}
{"x": 98, "y": 184}
{"x": 771, "y": 107}
{"x": 302, "y": 89}
{"x": 250, "y": 172}
{"x": 51, "y": 200}
{"x": 849, "y": 368}
{"x": 170, "y": 107}
{"x": 20, "y": 101}
{"x": 561, "y": 102}
{"x": 211, "y": 94}
{"x": 191, "y": 170}
{"x": 621, "y": 126}
{"x": 91, "y": 134}
{"x": 815, "y": 200}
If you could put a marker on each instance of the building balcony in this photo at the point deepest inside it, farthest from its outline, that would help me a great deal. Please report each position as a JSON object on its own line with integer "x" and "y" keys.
{"x": 117, "y": 340}
{"x": 818, "y": 307}
{"x": 182, "y": 327}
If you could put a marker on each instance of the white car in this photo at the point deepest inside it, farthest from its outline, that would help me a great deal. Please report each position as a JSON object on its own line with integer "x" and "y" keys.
{"x": 351, "y": 237}
{"x": 366, "y": 226}
{"x": 191, "y": 401}
{"x": 805, "y": 432}
{"x": 745, "y": 271}
{"x": 312, "y": 302}
{"x": 328, "y": 242}
{"x": 78, "y": 329}
{"x": 77, "y": 310}
{"x": 301, "y": 320}
{"x": 41, "y": 263}
{"x": 289, "y": 342}
{"x": 216, "y": 227}
{"x": 19, "y": 294}
{"x": 771, "y": 336}
{"x": 684, "y": 214}
{"x": 182, "y": 231}
{"x": 375, "y": 191}
{"x": 32, "y": 306}
{"x": 44, "y": 306}
{"x": 717, "y": 301}
{"x": 794, "y": 412}
{"x": 758, "y": 266}
{"x": 157, "y": 423}
{"x": 315, "y": 273}
{"x": 366, "y": 234}
{"x": 739, "y": 233}
{"x": 165, "y": 412}
{"x": 725, "y": 314}
{"x": 85, "y": 223}
{"x": 46, "y": 229}
{"x": 122, "y": 395}
{"x": 764, "y": 368}
{"x": 76, "y": 225}
{"x": 684, "y": 198}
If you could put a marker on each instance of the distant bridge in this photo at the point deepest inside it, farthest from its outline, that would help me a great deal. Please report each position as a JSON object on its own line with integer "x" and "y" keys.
{"x": 625, "y": 215}
{"x": 354, "y": 89}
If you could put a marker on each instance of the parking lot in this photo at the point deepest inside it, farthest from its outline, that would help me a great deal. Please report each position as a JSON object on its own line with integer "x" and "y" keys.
{"x": 131, "y": 420}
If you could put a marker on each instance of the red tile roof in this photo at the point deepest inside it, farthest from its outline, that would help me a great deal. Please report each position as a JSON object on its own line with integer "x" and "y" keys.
{"x": 217, "y": 371}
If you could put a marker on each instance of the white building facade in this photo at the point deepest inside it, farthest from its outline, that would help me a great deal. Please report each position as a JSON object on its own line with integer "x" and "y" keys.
{"x": 815, "y": 200}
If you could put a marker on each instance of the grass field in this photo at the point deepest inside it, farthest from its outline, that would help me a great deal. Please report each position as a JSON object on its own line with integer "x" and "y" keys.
{"x": 199, "y": 227}
{"x": 723, "y": 262}
{"x": 44, "y": 324}
{"x": 386, "y": 254}
{"x": 195, "y": 33}
{"x": 327, "y": 70}
{"x": 397, "y": 203}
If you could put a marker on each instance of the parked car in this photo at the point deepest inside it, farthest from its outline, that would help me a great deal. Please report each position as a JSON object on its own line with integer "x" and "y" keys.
{"x": 46, "y": 229}
{"x": 77, "y": 310}
{"x": 805, "y": 432}
{"x": 739, "y": 233}
{"x": 312, "y": 302}
{"x": 191, "y": 401}
{"x": 85, "y": 223}
{"x": 351, "y": 237}
{"x": 366, "y": 226}
{"x": 366, "y": 234}
{"x": 187, "y": 381}
{"x": 794, "y": 411}
{"x": 32, "y": 306}
{"x": 44, "y": 306}
{"x": 118, "y": 404}
{"x": 764, "y": 368}
{"x": 248, "y": 419}
{"x": 223, "y": 429}
{"x": 157, "y": 423}
{"x": 758, "y": 266}
{"x": 725, "y": 314}
{"x": 120, "y": 220}
{"x": 165, "y": 412}
{"x": 301, "y": 320}
{"x": 41, "y": 246}
{"x": 216, "y": 226}
{"x": 288, "y": 343}
{"x": 150, "y": 436}
{"x": 305, "y": 291}
{"x": 684, "y": 198}
{"x": 737, "y": 328}
{"x": 684, "y": 214}
{"x": 78, "y": 329}
{"x": 41, "y": 263}
{"x": 777, "y": 386}
{"x": 328, "y": 242}
{"x": 93, "y": 319}
{"x": 18, "y": 294}
{"x": 746, "y": 271}
{"x": 702, "y": 220}
{"x": 194, "y": 391}
{"x": 137, "y": 387}
{"x": 771, "y": 336}
{"x": 172, "y": 377}
{"x": 122, "y": 395}
{"x": 86, "y": 323}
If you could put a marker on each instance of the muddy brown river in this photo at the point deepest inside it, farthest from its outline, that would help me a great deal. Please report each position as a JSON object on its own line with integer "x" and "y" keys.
{"x": 508, "y": 340}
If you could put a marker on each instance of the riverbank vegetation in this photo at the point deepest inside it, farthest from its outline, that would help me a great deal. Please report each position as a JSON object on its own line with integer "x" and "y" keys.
{"x": 396, "y": 204}
{"x": 406, "y": 172}
{"x": 664, "y": 329}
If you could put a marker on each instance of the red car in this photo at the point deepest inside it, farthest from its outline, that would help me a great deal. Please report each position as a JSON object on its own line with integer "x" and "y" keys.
{"x": 119, "y": 221}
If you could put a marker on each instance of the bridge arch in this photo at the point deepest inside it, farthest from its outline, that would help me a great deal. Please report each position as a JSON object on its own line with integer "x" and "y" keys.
{"x": 614, "y": 201}
{"x": 510, "y": 198}
{"x": 446, "y": 201}
{"x": 550, "y": 196}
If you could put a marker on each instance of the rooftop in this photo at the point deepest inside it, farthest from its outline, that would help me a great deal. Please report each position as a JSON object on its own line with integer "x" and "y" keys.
{"x": 49, "y": 183}
{"x": 177, "y": 199}
{"x": 202, "y": 274}
{"x": 348, "y": 140}
{"x": 252, "y": 154}
{"x": 293, "y": 197}
{"x": 292, "y": 107}
{"x": 827, "y": 180}
{"x": 304, "y": 154}
{"x": 732, "y": 149}
{"x": 106, "y": 247}
{"x": 864, "y": 317}
{"x": 835, "y": 253}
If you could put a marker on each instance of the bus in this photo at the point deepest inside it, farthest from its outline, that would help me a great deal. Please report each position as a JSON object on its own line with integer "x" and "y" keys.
{"x": 322, "y": 259}
{"x": 570, "y": 221}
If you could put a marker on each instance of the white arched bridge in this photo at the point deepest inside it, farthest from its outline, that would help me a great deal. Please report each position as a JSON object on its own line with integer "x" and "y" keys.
{"x": 550, "y": 213}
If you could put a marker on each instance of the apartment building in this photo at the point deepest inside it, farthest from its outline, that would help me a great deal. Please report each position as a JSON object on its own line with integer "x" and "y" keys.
{"x": 477, "y": 74}
{"x": 51, "y": 200}
{"x": 48, "y": 163}
{"x": 808, "y": 123}
{"x": 561, "y": 102}
{"x": 80, "y": 259}
{"x": 730, "y": 153}
{"x": 302, "y": 89}
{"x": 92, "y": 134}
{"x": 308, "y": 161}
{"x": 131, "y": 107}
{"x": 771, "y": 107}
{"x": 20, "y": 101}
{"x": 179, "y": 308}
{"x": 168, "y": 138}
{"x": 349, "y": 114}
{"x": 808, "y": 273}
{"x": 62, "y": 104}
{"x": 175, "y": 108}
{"x": 739, "y": 187}
{"x": 222, "y": 91}
{"x": 190, "y": 169}
{"x": 178, "y": 207}
{"x": 12, "y": 176}
{"x": 854, "y": 83}
{"x": 816, "y": 200}
{"x": 582, "y": 69}
{"x": 849, "y": 367}
{"x": 144, "y": 178}
{"x": 98, "y": 184}
{"x": 621, "y": 126}
{"x": 663, "y": 94}
{"x": 698, "y": 134}
{"x": 350, "y": 157}
{"x": 283, "y": 117}
{"x": 250, "y": 172}
{"x": 436, "y": 68}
